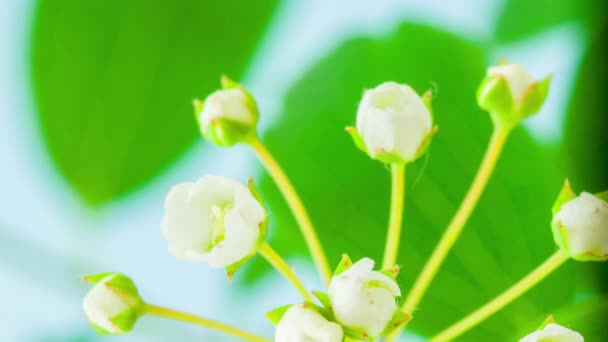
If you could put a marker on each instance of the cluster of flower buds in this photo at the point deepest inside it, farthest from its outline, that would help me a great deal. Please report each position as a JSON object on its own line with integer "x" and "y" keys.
{"x": 360, "y": 304}
{"x": 580, "y": 224}
{"x": 223, "y": 222}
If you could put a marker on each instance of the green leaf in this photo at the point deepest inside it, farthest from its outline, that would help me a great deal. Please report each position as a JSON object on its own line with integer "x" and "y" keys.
{"x": 347, "y": 194}
{"x": 521, "y": 18}
{"x": 114, "y": 80}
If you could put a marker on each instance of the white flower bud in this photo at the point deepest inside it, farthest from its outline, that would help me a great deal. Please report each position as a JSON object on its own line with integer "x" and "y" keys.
{"x": 229, "y": 115}
{"x": 510, "y": 94}
{"x": 302, "y": 323}
{"x": 553, "y": 333}
{"x": 363, "y": 300}
{"x": 580, "y": 227}
{"x": 216, "y": 219}
{"x": 518, "y": 80}
{"x": 113, "y": 304}
{"x": 394, "y": 124}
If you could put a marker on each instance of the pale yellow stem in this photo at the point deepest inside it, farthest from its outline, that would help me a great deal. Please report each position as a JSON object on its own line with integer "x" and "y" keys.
{"x": 451, "y": 234}
{"x": 504, "y": 299}
{"x": 189, "y": 318}
{"x": 297, "y": 208}
{"x": 279, "y": 263}
{"x": 393, "y": 236}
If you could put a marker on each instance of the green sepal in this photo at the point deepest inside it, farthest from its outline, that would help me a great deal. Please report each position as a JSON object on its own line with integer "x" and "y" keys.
{"x": 275, "y": 315}
{"x": 494, "y": 96}
{"x": 595, "y": 255}
{"x": 326, "y": 313}
{"x": 126, "y": 319}
{"x": 228, "y": 83}
{"x": 356, "y": 334}
{"x": 357, "y": 138}
{"x": 226, "y": 133}
{"x": 198, "y": 105}
{"x": 534, "y": 97}
{"x": 232, "y": 268}
{"x": 323, "y": 299}
{"x": 264, "y": 224}
{"x": 389, "y": 158}
{"x": 547, "y": 321}
{"x": 427, "y": 99}
{"x": 565, "y": 195}
{"x": 560, "y": 236}
{"x": 96, "y": 278}
{"x": 99, "y": 330}
{"x": 392, "y": 272}
{"x": 254, "y": 191}
{"x": 345, "y": 263}
{"x": 425, "y": 143}
{"x": 602, "y": 195}
{"x": 122, "y": 283}
{"x": 399, "y": 319}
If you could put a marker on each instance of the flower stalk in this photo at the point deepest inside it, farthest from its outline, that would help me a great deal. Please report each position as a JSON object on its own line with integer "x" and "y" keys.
{"x": 159, "y": 311}
{"x": 495, "y": 147}
{"x": 514, "y": 292}
{"x": 393, "y": 237}
{"x": 280, "y": 265}
{"x": 296, "y": 206}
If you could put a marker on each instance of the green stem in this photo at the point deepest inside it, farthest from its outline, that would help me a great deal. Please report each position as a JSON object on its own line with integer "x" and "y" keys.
{"x": 533, "y": 278}
{"x": 495, "y": 146}
{"x": 297, "y": 208}
{"x": 188, "y": 318}
{"x": 396, "y": 215}
{"x": 279, "y": 263}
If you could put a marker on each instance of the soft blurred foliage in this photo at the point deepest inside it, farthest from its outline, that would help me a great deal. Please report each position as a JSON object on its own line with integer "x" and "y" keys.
{"x": 114, "y": 81}
{"x": 113, "y": 84}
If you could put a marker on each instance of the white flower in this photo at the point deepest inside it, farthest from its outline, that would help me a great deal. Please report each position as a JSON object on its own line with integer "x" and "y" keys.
{"x": 553, "y": 333}
{"x": 302, "y": 324}
{"x": 518, "y": 80}
{"x": 363, "y": 299}
{"x": 216, "y": 219}
{"x": 393, "y": 119}
{"x": 113, "y": 304}
{"x": 582, "y": 224}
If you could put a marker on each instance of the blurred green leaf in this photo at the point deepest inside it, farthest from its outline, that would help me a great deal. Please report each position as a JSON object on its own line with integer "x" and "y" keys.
{"x": 114, "y": 81}
{"x": 521, "y": 18}
{"x": 586, "y": 134}
{"x": 587, "y": 316}
{"x": 347, "y": 193}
